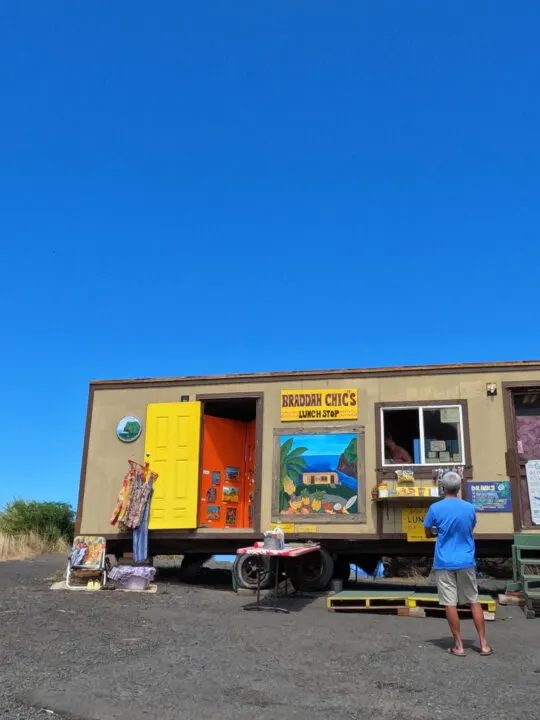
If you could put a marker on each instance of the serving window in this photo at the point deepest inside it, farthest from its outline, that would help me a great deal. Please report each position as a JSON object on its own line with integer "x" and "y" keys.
{"x": 433, "y": 434}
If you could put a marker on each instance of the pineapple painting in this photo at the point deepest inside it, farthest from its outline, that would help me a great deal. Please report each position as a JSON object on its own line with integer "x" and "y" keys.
{"x": 318, "y": 474}
{"x": 317, "y": 503}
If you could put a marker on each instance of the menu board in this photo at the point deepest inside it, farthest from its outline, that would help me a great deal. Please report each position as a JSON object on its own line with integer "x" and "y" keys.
{"x": 490, "y": 496}
{"x": 533, "y": 483}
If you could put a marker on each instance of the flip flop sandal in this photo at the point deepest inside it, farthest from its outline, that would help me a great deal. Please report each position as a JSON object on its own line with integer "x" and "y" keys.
{"x": 487, "y": 654}
{"x": 451, "y": 651}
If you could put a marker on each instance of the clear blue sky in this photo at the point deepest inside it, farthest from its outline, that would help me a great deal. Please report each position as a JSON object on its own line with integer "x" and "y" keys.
{"x": 320, "y": 444}
{"x": 248, "y": 186}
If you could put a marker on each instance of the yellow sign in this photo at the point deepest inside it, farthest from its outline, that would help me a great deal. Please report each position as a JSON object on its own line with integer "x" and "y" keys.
{"x": 407, "y": 491}
{"x": 412, "y": 521}
{"x": 286, "y": 527}
{"x": 290, "y": 528}
{"x": 319, "y": 405}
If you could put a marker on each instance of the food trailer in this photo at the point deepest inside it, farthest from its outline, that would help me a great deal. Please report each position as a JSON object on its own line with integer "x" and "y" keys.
{"x": 351, "y": 459}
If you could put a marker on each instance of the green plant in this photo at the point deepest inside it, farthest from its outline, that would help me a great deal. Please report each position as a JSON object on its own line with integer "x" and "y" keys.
{"x": 292, "y": 464}
{"x": 51, "y": 521}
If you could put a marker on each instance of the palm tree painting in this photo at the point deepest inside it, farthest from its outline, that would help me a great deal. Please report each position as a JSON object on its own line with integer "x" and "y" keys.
{"x": 318, "y": 474}
{"x": 292, "y": 465}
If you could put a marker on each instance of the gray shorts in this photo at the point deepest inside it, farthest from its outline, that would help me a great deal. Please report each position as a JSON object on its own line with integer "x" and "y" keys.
{"x": 457, "y": 587}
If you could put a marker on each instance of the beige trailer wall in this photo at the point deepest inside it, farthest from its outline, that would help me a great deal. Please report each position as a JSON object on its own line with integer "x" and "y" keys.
{"x": 107, "y": 457}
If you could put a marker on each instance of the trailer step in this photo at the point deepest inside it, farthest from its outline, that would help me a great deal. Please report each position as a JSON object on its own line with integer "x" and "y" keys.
{"x": 431, "y": 601}
{"x": 531, "y": 540}
{"x": 524, "y": 553}
{"x": 354, "y": 600}
{"x": 531, "y": 586}
{"x": 514, "y": 586}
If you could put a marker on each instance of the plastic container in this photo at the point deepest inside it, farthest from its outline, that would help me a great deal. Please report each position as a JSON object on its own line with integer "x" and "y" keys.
{"x": 272, "y": 543}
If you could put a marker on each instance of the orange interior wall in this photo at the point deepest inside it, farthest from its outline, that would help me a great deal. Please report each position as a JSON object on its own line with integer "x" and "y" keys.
{"x": 249, "y": 507}
{"x": 226, "y": 502}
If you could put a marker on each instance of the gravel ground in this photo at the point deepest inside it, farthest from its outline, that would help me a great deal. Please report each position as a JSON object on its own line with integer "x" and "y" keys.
{"x": 190, "y": 652}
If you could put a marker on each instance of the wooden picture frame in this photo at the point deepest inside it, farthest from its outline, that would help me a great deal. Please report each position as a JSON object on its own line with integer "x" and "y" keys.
{"x": 320, "y": 518}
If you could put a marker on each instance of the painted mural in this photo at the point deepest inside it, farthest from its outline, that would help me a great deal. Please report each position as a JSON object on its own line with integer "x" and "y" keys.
{"x": 318, "y": 474}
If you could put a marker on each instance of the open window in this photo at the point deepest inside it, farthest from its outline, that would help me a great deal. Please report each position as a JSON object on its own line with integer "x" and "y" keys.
{"x": 422, "y": 435}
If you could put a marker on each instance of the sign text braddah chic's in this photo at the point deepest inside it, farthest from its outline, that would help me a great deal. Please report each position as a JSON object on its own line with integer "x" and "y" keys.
{"x": 328, "y": 404}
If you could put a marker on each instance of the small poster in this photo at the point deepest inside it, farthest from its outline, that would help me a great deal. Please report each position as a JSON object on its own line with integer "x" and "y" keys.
{"x": 230, "y": 517}
{"x": 230, "y": 494}
{"x": 211, "y": 495}
{"x": 232, "y": 474}
{"x": 490, "y": 496}
{"x": 533, "y": 483}
{"x": 213, "y": 512}
{"x": 216, "y": 477}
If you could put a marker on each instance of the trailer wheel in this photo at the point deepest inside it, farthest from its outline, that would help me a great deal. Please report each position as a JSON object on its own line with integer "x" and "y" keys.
{"x": 245, "y": 569}
{"x": 312, "y": 572}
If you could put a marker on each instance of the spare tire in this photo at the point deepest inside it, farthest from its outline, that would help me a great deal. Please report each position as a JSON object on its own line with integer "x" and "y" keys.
{"x": 312, "y": 572}
{"x": 246, "y": 567}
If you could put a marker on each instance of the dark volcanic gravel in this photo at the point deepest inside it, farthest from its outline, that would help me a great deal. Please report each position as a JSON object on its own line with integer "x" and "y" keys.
{"x": 192, "y": 653}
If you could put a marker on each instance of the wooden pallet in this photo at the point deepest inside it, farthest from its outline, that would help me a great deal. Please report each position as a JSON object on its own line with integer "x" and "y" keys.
{"x": 434, "y": 611}
{"x": 357, "y": 600}
{"x": 431, "y": 602}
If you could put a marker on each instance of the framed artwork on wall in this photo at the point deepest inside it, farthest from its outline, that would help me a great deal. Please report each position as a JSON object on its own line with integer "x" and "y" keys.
{"x": 319, "y": 475}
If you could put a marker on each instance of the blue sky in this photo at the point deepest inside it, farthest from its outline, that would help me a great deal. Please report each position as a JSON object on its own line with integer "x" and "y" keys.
{"x": 320, "y": 444}
{"x": 193, "y": 188}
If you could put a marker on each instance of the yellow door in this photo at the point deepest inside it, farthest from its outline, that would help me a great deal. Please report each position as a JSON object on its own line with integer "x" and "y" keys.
{"x": 172, "y": 448}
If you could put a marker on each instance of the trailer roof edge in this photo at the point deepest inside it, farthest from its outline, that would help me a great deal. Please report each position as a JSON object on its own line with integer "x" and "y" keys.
{"x": 295, "y": 375}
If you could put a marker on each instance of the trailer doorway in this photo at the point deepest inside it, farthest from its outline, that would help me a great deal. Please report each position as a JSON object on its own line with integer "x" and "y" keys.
{"x": 230, "y": 470}
{"x": 522, "y": 417}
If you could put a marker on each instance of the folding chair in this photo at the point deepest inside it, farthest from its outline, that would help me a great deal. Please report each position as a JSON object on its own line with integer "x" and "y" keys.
{"x": 87, "y": 555}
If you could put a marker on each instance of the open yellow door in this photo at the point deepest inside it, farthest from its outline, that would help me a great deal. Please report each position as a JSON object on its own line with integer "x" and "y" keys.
{"x": 173, "y": 433}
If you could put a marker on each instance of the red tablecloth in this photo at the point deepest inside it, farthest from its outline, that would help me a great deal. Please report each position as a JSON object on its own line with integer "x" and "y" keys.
{"x": 288, "y": 552}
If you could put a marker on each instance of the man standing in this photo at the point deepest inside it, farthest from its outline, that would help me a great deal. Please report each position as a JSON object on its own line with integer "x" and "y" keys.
{"x": 452, "y": 521}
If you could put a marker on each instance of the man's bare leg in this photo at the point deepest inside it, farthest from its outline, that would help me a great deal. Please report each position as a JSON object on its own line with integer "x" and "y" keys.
{"x": 453, "y": 620}
{"x": 480, "y": 625}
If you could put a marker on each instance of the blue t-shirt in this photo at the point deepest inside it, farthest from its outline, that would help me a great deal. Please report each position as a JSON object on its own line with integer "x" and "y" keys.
{"x": 455, "y": 520}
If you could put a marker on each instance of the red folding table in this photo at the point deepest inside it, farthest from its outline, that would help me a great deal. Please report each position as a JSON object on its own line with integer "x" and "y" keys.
{"x": 289, "y": 552}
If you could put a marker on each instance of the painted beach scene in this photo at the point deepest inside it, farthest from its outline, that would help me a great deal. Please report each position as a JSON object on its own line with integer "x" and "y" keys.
{"x": 318, "y": 474}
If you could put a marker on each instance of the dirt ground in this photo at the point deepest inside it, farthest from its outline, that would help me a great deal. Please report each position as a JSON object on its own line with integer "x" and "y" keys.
{"x": 192, "y": 653}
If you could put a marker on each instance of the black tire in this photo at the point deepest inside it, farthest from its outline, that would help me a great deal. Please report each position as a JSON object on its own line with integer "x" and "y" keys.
{"x": 342, "y": 569}
{"x": 312, "y": 572}
{"x": 245, "y": 570}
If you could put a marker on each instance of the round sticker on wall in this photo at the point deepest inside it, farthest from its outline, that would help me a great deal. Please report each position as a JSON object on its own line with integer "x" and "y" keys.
{"x": 129, "y": 428}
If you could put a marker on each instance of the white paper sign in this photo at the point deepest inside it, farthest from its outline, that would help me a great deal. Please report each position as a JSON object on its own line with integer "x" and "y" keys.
{"x": 438, "y": 445}
{"x": 533, "y": 483}
{"x": 450, "y": 415}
